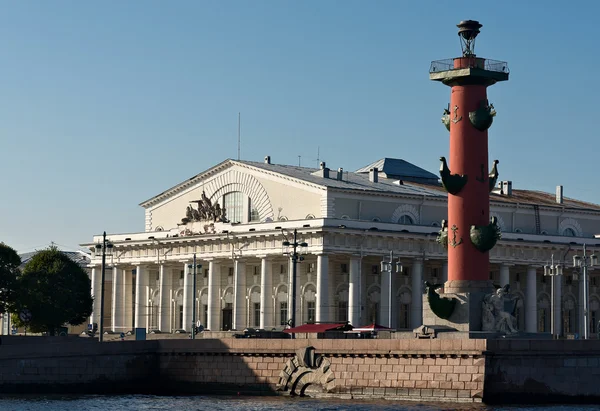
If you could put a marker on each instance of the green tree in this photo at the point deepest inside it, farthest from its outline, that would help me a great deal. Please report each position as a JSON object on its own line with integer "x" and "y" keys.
{"x": 9, "y": 271}
{"x": 55, "y": 290}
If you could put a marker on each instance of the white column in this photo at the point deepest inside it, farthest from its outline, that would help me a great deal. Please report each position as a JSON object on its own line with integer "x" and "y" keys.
{"x": 354, "y": 292}
{"x": 96, "y": 294}
{"x": 558, "y": 304}
{"x": 164, "y": 308}
{"x": 117, "y": 300}
{"x": 385, "y": 302}
{"x": 416, "y": 314}
{"x": 580, "y": 305}
{"x": 239, "y": 302}
{"x": 266, "y": 295}
{"x": 504, "y": 275}
{"x": 141, "y": 297}
{"x": 214, "y": 302}
{"x": 188, "y": 295}
{"x": 531, "y": 301}
{"x": 127, "y": 300}
{"x": 322, "y": 305}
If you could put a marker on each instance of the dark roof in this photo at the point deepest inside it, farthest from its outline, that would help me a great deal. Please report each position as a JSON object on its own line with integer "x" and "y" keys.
{"x": 350, "y": 180}
{"x": 80, "y": 257}
{"x": 543, "y": 199}
{"x": 319, "y": 328}
{"x": 398, "y": 168}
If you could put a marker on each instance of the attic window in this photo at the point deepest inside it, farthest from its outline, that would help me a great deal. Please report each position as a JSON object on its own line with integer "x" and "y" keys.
{"x": 406, "y": 219}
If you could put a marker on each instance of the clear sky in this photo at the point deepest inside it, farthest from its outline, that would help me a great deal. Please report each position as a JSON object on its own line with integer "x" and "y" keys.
{"x": 105, "y": 104}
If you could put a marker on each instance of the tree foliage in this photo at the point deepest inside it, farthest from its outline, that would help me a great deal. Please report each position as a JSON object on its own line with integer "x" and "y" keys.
{"x": 55, "y": 290}
{"x": 9, "y": 271}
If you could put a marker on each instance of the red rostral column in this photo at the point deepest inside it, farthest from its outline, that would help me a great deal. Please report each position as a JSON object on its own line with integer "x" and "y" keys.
{"x": 470, "y": 233}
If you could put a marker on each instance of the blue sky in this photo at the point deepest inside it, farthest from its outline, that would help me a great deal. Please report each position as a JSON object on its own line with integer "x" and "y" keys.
{"x": 105, "y": 104}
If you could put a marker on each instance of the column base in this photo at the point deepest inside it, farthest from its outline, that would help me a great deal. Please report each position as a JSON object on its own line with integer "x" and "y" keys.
{"x": 467, "y": 286}
{"x": 467, "y": 313}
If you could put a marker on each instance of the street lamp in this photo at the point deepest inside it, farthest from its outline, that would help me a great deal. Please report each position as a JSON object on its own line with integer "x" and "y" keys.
{"x": 106, "y": 249}
{"x": 582, "y": 263}
{"x": 552, "y": 271}
{"x": 295, "y": 258}
{"x": 194, "y": 266}
{"x": 388, "y": 266}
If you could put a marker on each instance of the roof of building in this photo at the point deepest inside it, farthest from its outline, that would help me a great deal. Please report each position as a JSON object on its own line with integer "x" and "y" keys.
{"x": 80, "y": 257}
{"x": 359, "y": 181}
{"x": 350, "y": 180}
{"x": 393, "y": 167}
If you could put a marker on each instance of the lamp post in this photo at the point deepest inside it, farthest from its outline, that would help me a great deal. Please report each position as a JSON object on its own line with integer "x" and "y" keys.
{"x": 106, "y": 248}
{"x": 582, "y": 263}
{"x": 553, "y": 270}
{"x": 194, "y": 266}
{"x": 388, "y": 266}
{"x": 295, "y": 258}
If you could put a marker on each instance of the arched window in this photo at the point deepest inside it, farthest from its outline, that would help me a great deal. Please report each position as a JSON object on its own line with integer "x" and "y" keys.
{"x": 309, "y": 217}
{"x": 234, "y": 206}
{"x": 405, "y": 219}
{"x": 376, "y": 220}
{"x": 569, "y": 232}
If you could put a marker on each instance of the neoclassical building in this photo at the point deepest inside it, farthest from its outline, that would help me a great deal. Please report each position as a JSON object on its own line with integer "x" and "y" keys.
{"x": 235, "y": 217}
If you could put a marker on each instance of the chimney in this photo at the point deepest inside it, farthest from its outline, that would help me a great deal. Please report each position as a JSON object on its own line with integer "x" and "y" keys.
{"x": 340, "y": 173}
{"x": 506, "y": 188}
{"x": 267, "y": 159}
{"x": 559, "y": 194}
{"x": 374, "y": 175}
{"x": 322, "y": 165}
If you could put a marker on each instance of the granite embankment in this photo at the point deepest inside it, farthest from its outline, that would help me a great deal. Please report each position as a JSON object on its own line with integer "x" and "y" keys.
{"x": 425, "y": 370}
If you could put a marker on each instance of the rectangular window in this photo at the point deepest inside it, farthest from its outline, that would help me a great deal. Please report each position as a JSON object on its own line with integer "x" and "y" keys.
{"x": 374, "y": 269}
{"x": 404, "y": 316}
{"x": 594, "y": 321}
{"x": 594, "y": 281}
{"x": 542, "y": 320}
{"x": 569, "y": 280}
{"x": 517, "y": 277}
{"x": 256, "y": 315}
{"x": 282, "y": 269}
{"x": 205, "y": 309}
{"x": 344, "y": 268}
{"x": 181, "y": 274}
{"x": 254, "y": 216}
{"x": 234, "y": 206}
{"x": 181, "y": 317}
{"x": 311, "y": 267}
{"x": 256, "y": 270}
{"x": 283, "y": 313}
{"x": 230, "y": 271}
{"x": 311, "y": 311}
{"x": 206, "y": 273}
{"x": 342, "y": 311}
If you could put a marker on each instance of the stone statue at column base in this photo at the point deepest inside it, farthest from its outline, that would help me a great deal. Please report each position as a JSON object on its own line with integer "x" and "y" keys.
{"x": 495, "y": 316}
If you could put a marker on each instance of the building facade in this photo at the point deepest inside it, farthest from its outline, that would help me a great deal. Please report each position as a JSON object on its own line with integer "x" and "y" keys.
{"x": 236, "y": 216}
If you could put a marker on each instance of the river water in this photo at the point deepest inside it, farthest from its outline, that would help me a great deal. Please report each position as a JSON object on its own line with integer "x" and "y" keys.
{"x": 201, "y": 403}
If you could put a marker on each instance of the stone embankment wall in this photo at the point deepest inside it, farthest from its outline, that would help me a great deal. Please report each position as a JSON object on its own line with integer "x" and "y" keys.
{"x": 522, "y": 371}
{"x": 436, "y": 370}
